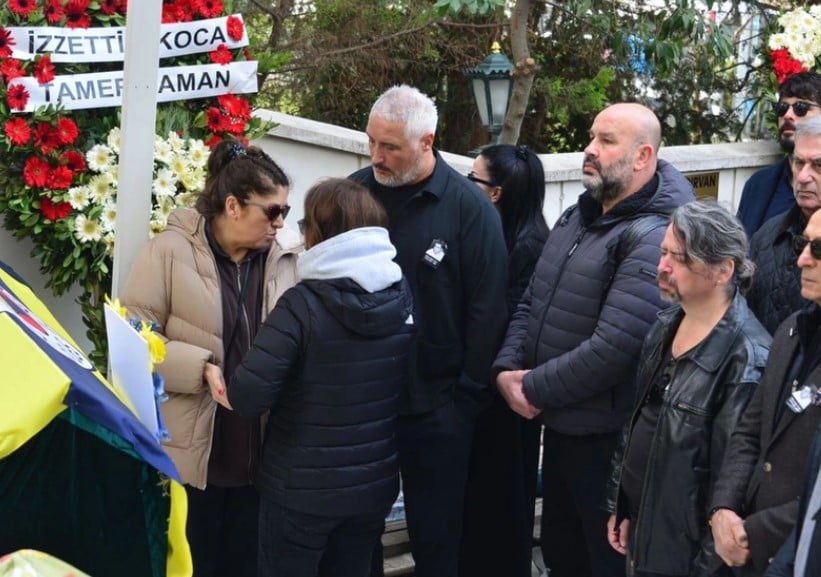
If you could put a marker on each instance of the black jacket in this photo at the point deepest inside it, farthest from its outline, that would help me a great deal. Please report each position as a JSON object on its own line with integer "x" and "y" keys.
{"x": 581, "y": 338}
{"x": 709, "y": 388}
{"x": 776, "y": 290}
{"x": 329, "y": 361}
{"x": 766, "y": 194}
{"x": 522, "y": 262}
{"x": 459, "y": 304}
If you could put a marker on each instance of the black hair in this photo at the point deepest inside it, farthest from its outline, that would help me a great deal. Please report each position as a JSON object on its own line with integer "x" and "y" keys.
{"x": 804, "y": 85}
{"x": 518, "y": 171}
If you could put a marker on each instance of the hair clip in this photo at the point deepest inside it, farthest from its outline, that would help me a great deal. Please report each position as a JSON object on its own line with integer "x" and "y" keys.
{"x": 236, "y": 150}
{"x": 522, "y": 152}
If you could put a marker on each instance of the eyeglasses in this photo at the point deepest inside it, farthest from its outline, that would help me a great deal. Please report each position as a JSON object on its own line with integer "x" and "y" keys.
{"x": 473, "y": 178}
{"x": 800, "y": 107}
{"x": 272, "y": 211}
{"x": 799, "y": 241}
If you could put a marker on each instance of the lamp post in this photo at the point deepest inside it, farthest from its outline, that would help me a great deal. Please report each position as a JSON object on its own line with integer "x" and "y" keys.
{"x": 491, "y": 83}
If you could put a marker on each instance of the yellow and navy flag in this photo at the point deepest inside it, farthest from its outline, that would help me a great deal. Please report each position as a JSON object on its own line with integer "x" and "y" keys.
{"x": 80, "y": 477}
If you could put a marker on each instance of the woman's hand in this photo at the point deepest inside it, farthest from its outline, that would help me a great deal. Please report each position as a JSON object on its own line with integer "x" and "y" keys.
{"x": 216, "y": 383}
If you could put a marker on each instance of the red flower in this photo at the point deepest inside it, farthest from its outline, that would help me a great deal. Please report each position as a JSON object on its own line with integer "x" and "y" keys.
{"x": 216, "y": 120}
{"x": 73, "y": 160}
{"x": 44, "y": 69}
{"x": 235, "y": 106}
{"x": 76, "y": 15}
{"x": 213, "y": 141}
{"x": 6, "y": 42}
{"x": 109, "y": 7}
{"x": 22, "y": 7}
{"x": 235, "y": 28}
{"x": 60, "y": 177}
{"x": 54, "y": 11}
{"x": 46, "y": 138}
{"x": 11, "y": 69}
{"x": 18, "y": 131}
{"x": 67, "y": 132}
{"x": 235, "y": 126}
{"x": 210, "y": 8}
{"x": 54, "y": 210}
{"x": 35, "y": 173}
{"x": 17, "y": 97}
{"x": 221, "y": 55}
{"x": 784, "y": 65}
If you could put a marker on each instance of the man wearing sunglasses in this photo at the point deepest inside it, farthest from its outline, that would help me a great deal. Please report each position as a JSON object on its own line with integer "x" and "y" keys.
{"x": 756, "y": 498}
{"x": 776, "y": 290}
{"x": 768, "y": 192}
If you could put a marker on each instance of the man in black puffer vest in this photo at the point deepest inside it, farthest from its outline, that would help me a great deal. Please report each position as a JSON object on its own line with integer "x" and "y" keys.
{"x": 572, "y": 348}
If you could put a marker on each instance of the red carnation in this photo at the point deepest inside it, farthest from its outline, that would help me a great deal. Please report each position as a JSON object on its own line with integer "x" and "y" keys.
{"x": 54, "y": 11}
{"x": 235, "y": 106}
{"x": 784, "y": 65}
{"x": 74, "y": 160}
{"x": 67, "y": 131}
{"x": 54, "y": 210}
{"x": 12, "y": 68}
{"x": 76, "y": 15}
{"x": 17, "y": 97}
{"x": 60, "y": 177}
{"x": 221, "y": 55}
{"x": 210, "y": 8}
{"x": 44, "y": 69}
{"x": 36, "y": 171}
{"x": 18, "y": 131}
{"x": 216, "y": 120}
{"x": 46, "y": 138}
{"x": 235, "y": 27}
{"x": 6, "y": 42}
{"x": 22, "y": 7}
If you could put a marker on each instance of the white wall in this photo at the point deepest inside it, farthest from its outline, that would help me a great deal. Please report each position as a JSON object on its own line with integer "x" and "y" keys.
{"x": 309, "y": 150}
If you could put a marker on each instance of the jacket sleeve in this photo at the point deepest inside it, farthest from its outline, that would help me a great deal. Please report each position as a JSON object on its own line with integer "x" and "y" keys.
{"x": 484, "y": 282}
{"x": 610, "y": 354}
{"x": 511, "y": 355}
{"x": 269, "y": 366}
{"x": 146, "y": 295}
{"x": 784, "y": 563}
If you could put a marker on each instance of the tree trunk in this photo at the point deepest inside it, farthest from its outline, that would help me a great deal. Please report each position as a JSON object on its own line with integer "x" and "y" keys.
{"x": 524, "y": 70}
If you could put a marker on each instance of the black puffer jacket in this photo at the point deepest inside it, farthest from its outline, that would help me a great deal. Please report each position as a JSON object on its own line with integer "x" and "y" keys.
{"x": 709, "y": 388}
{"x": 776, "y": 290}
{"x": 581, "y": 339}
{"x": 329, "y": 361}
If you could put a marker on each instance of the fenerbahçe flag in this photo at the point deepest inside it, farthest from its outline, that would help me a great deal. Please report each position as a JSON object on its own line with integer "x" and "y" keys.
{"x": 80, "y": 477}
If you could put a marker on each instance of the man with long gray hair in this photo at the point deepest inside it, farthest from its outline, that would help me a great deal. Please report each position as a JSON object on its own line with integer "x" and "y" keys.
{"x": 700, "y": 364}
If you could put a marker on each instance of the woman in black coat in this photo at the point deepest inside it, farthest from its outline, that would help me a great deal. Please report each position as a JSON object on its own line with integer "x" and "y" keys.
{"x": 328, "y": 363}
{"x": 500, "y": 497}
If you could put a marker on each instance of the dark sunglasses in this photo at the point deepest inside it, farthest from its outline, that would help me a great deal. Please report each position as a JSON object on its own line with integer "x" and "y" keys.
{"x": 473, "y": 178}
{"x": 272, "y": 211}
{"x": 800, "y": 107}
{"x": 799, "y": 241}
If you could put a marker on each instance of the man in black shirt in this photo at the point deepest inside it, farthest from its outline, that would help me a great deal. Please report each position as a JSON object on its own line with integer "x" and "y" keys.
{"x": 450, "y": 246}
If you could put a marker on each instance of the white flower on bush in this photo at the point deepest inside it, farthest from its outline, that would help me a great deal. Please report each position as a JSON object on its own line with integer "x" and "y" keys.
{"x": 801, "y": 35}
{"x": 179, "y": 174}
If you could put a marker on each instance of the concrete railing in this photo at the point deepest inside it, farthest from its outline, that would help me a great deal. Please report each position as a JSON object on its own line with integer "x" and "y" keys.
{"x": 309, "y": 150}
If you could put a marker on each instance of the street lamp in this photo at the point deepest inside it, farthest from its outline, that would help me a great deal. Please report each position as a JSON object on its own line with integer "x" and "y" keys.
{"x": 491, "y": 84}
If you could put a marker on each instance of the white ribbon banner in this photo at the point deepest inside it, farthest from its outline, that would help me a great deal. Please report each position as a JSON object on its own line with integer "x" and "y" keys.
{"x": 83, "y": 45}
{"x": 104, "y": 89}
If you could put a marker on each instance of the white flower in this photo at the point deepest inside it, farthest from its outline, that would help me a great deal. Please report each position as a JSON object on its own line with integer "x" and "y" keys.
{"x": 100, "y": 188}
{"x": 108, "y": 240}
{"x": 87, "y": 229}
{"x": 162, "y": 151}
{"x": 193, "y": 180}
{"x": 79, "y": 197}
{"x": 99, "y": 158}
{"x": 113, "y": 139}
{"x": 109, "y": 216}
{"x": 186, "y": 199}
{"x": 198, "y": 153}
{"x": 800, "y": 35}
{"x": 156, "y": 227}
{"x": 165, "y": 183}
{"x": 179, "y": 164}
{"x": 175, "y": 142}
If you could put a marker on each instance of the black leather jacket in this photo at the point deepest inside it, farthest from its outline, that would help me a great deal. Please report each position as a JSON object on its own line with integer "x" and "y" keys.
{"x": 709, "y": 389}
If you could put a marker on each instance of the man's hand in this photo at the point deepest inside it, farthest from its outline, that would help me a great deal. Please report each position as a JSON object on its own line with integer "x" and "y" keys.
{"x": 511, "y": 387}
{"x": 216, "y": 383}
{"x": 730, "y": 537}
{"x": 618, "y": 536}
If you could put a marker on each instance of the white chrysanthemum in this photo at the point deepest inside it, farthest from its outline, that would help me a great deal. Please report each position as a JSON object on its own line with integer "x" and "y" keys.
{"x": 108, "y": 218}
{"x": 193, "y": 180}
{"x": 186, "y": 199}
{"x": 165, "y": 183}
{"x": 108, "y": 240}
{"x": 87, "y": 229}
{"x": 113, "y": 139}
{"x": 79, "y": 197}
{"x": 113, "y": 174}
{"x": 162, "y": 151}
{"x": 179, "y": 164}
{"x": 100, "y": 188}
{"x": 175, "y": 142}
{"x": 198, "y": 153}
{"x": 100, "y": 158}
{"x": 163, "y": 207}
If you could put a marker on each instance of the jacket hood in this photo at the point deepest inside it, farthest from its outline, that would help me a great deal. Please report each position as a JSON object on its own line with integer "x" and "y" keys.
{"x": 364, "y": 255}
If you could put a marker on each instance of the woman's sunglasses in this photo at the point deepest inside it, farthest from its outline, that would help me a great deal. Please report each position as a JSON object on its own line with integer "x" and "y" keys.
{"x": 473, "y": 178}
{"x": 799, "y": 241}
{"x": 800, "y": 107}
{"x": 272, "y": 211}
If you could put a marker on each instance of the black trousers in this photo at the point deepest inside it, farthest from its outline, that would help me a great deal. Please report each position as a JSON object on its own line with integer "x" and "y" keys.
{"x": 295, "y": 544}
{"x": 222, "y": 530}
{"x": 574, "y": 520}
{"x": 497, "y": 539}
